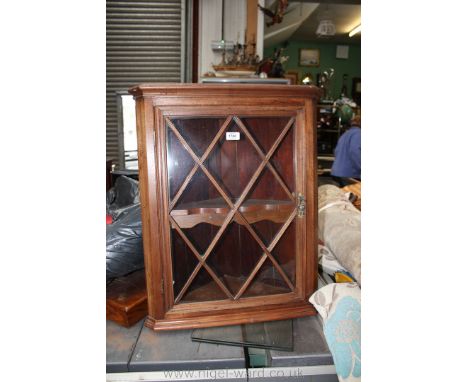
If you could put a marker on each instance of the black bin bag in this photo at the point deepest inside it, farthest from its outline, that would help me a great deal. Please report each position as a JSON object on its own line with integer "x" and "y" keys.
{"x": 125, "y": 192}
{"x": 124, "y": 243}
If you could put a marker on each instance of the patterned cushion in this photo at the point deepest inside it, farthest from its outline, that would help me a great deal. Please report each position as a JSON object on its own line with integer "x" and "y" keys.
{"x": 340, "y": 307}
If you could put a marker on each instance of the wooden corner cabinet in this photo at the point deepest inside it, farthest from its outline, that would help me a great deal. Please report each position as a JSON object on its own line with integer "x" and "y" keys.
{"x": 229, "y": 202}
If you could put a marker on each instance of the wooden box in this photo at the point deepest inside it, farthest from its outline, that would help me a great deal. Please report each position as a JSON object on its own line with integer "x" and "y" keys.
{"x": 229, "y": 203}
{"x": 126, "y": 299}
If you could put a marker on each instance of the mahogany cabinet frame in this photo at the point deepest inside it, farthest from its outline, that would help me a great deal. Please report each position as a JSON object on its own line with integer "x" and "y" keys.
{"x": 156, "y": 102}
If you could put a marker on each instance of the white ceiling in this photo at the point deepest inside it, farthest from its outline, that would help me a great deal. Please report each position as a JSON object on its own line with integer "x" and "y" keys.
{"x": 302, "y": 18}
{"x": 296, "y": 14}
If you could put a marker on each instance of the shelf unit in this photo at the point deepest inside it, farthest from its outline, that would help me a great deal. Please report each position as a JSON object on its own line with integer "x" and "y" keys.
{"x": 329, "y": 130}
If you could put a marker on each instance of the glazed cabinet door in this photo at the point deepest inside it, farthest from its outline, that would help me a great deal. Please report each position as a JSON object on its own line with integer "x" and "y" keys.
{"x": 234, "y": 207}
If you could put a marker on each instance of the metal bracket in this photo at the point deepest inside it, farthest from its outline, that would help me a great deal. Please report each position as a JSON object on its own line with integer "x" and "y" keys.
{"x": 301, "y": 205}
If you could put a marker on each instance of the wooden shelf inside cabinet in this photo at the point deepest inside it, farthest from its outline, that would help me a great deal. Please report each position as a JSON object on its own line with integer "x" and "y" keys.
{"x": 214, "y": 211}
{"x": 228, "y": 194}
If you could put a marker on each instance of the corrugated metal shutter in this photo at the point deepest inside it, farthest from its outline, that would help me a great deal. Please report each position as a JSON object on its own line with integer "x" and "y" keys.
{"x": 143, "y": 45}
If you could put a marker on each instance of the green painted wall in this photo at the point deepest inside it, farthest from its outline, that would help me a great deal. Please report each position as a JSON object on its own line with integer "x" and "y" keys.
{"x": 350, "y": 66}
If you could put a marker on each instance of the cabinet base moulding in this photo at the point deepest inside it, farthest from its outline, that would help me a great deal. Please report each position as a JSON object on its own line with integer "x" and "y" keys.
{"x": 227, "y": 318}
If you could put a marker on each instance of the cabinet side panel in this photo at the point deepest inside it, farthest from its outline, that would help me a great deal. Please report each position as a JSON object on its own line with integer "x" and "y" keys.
{"x": 311, "y": 196}
{"x": 149, "y": 214}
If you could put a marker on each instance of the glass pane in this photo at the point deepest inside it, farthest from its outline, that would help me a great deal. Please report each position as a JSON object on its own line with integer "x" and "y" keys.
{"x": 266, "y": 230}
{"x": 267, "y": 207}
{"x": 199, "y": 209}
{"x": 267, "y": 281}
{"x": 276, "y": 335}
{"x": 198, "y": 132}
{"x": 233, "y": 162}
{"x": 203, "y": 288}
{"x": 235, "y": 256}
{"x": 179, "y": 163}
{"x": 183, "y": 262}
{"x": 283, "y": 160}
{"x": 200, "y": 192}
{"x": 284, "y": 252}
{"x": 265, "y": 130}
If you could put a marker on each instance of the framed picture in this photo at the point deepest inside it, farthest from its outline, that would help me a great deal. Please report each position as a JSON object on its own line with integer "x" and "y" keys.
{"x": 342, "y": 51}
{"x": 309, "y": 57}
{"x": 293, "y": 76}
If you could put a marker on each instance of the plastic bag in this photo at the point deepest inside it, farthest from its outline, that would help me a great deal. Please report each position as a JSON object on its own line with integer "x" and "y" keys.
{"x": 125, "y": 192}
{"x": 124, "y": 244}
